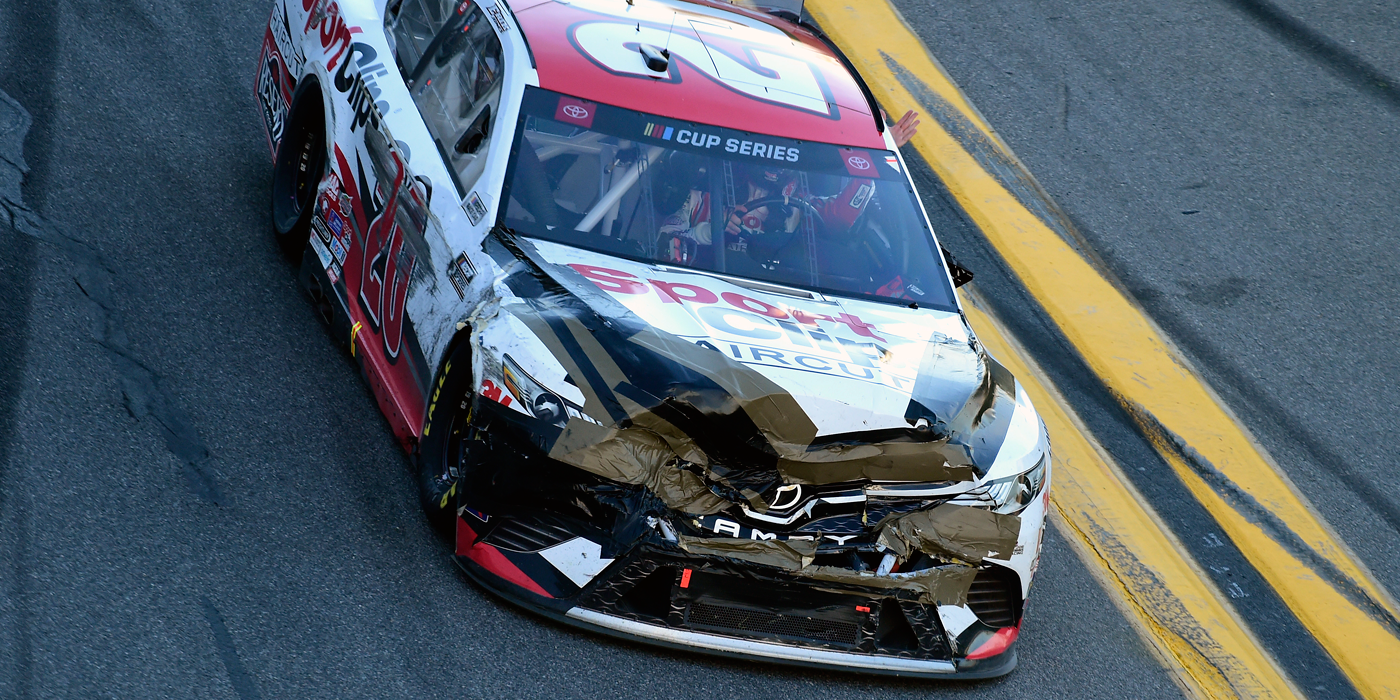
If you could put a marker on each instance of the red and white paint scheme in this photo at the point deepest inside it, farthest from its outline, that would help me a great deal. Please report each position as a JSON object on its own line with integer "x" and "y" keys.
{"x": 442, "y": 117}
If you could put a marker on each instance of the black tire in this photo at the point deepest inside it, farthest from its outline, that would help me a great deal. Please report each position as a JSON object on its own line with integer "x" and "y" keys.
{"x": 298, "y": 169}
{"x": 444, "y": 450}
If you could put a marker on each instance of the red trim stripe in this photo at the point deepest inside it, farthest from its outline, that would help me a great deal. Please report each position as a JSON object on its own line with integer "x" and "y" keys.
{"x": 492, "y": 560}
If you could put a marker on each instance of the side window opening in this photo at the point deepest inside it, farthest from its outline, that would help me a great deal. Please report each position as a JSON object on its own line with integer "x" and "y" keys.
{"x": 452, "y": 62}
{"x": 412, "y": 25}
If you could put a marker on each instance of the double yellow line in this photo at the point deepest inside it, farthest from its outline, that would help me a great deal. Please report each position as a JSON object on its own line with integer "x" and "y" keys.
{"x": 1331, "y": 593}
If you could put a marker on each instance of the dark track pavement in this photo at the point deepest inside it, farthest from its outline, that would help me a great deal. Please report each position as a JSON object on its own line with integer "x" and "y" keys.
{"x": 199, "y": 498}
{"x": 1233, "y": 163}
{"x": 1238, "y": 177}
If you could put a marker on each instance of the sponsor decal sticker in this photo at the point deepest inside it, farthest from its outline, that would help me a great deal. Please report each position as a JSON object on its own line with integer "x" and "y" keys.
{"x": 281, "y": 28}
{"x": 496, "y": 15}
{"x": 862, "y": 194}
{"x": 476, "y": 211}
{"x": 322, "y": 251}
{"x": 659, "y": 131}
{"x": 338, "y": 249}
{"x": 336, "y": 223}
{"x": 321, "y": 229}
{"x": 270, "y": 95}
{"x": 858, "y": 163}
{"x": 460, "y": 273}
{"x": 575, "y": 111}
{"x": 759, "y": 149}
{"x": 490, "y": 390}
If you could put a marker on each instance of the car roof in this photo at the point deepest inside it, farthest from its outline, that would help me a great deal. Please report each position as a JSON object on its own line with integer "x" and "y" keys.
{"x": 728, "y": 67}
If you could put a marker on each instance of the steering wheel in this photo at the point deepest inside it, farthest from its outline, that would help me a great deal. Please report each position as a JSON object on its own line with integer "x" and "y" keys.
{"x": 767, "y": 245}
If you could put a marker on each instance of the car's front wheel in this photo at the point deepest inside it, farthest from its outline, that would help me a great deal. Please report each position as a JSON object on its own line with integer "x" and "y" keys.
{"x": 447, "y": 439}
{"x": 300, "y": 164}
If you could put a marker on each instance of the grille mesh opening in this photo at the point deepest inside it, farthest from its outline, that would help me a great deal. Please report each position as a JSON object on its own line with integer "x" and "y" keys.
{"x": 996, "y": 596}
{"x": 757, "y": 622}
{"x": 527, "y": 534}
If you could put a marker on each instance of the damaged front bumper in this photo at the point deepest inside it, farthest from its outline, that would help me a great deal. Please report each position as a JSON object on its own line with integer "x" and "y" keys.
{"x": 662, "y": 594}
{"x": 655, "y": 489}
{"x": 720, "y": 608}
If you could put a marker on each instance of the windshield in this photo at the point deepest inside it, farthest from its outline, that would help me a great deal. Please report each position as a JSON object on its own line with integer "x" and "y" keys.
{"x": 798, "y": 213}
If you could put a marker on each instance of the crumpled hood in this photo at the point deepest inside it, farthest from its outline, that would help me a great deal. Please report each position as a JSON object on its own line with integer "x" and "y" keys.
{"x": 757, "y": 384}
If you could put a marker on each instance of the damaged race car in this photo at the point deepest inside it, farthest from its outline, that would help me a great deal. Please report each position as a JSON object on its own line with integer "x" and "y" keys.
{"x": 645, "y": 289}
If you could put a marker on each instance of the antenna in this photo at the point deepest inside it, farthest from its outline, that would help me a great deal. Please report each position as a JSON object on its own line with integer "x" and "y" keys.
{"x": 666, "y": 50}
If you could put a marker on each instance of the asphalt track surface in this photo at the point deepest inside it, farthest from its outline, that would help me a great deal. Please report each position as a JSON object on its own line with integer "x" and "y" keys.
{"x": 1232, "y": 163}
{"x": 198, "y": 496}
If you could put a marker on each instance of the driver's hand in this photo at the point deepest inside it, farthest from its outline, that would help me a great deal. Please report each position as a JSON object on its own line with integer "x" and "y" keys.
{"x": 734, "y": 221}
{"x": 743, "y": 220}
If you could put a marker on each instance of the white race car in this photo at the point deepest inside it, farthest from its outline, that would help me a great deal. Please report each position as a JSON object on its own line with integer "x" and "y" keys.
{"x": 644, "y": 288}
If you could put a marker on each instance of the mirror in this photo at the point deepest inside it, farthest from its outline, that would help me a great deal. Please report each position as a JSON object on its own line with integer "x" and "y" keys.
{"x": 960, "y": 274}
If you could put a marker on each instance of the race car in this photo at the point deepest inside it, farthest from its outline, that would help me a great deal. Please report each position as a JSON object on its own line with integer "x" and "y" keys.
{"x": 645, "y": 290}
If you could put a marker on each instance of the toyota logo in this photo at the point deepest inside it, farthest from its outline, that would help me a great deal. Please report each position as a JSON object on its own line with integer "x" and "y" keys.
{"x": 576, "y": 111}
{"x": 781, "y": 500}
{"x": 858, "y": 163}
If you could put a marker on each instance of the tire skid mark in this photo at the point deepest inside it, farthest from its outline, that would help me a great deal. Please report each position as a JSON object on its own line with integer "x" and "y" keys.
{"x": 1254, "y": 399}
{"x": 1322, "y": 50}
{"x": 1112, "y": 528}
{"x": 997, "y": 162}
{"x": 238, "y": 675}
{"x": 1257, "y": 514}
{"x": 989, "y": 154}
{"x": 1155, "y": 602}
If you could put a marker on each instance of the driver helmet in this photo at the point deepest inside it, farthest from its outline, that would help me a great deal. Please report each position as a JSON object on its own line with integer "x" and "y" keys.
{"x": 777, "y": 182}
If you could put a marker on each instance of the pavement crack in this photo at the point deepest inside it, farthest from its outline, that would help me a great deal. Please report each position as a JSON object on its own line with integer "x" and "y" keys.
{"x": 14, "y": 126}
{"x": 16, "y": 628}
{"x": 238, "y": 675}
{"x": 143, "y": 389}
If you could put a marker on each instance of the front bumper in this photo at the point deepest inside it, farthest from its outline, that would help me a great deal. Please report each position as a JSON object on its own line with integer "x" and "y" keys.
{"x": 781, "y": 619}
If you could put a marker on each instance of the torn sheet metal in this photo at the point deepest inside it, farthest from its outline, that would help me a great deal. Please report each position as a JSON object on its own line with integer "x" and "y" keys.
{"x": 943, "y": 585}
{"x": 635, "y": 456}
{"x": 792, "y": 555}
{"x": 750, "y": 432}
{"x": 960, "y": 532}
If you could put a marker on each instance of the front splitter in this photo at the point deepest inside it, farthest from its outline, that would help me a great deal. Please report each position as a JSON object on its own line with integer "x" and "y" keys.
{"x": 733, "y": 647}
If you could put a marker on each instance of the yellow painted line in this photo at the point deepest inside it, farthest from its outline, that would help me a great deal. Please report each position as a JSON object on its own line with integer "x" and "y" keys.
{"x": 1125, "y": 544}
{"x": 1299, "y": 555}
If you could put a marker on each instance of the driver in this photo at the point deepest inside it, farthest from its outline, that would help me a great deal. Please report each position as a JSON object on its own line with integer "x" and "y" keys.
{"x": 683, "y": 232}
{"x": 845, "y": 245}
